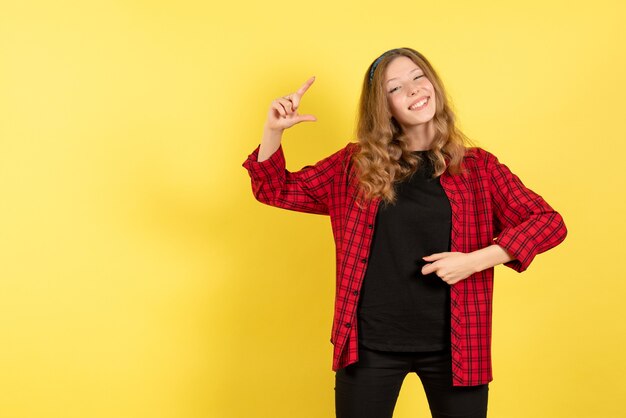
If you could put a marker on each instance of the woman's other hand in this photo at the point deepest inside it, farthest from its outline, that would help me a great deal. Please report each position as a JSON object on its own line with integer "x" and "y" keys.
{"x": 451, "y": 267}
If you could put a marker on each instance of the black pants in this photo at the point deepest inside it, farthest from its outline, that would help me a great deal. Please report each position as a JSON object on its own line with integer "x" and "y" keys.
{"x": 370, "y": 387}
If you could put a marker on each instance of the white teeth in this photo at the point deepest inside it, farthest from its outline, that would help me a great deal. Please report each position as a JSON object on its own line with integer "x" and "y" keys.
{"x": 418, "y": 104}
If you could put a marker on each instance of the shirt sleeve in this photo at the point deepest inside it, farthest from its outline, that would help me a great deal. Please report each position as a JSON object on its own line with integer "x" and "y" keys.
{"x": 306, "y": 190}
{"x": 525, "y": 224}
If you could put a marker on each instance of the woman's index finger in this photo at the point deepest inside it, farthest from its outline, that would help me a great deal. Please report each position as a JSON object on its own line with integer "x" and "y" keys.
{"x": 305, "y": 86}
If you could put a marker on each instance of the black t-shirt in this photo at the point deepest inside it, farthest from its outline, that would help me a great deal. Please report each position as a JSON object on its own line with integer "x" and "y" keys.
{"x": 399, "y": 308}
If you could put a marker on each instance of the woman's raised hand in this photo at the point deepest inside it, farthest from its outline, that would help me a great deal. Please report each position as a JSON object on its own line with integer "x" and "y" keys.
{"x": 283, "y": 112}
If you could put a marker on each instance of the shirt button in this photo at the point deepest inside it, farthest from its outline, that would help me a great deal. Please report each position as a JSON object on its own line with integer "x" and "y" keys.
{"x": 370, "y": 226}
{"x": 348, "y": 325}
{"x": 364, "y": 260}
{"x": 355, "y": 293}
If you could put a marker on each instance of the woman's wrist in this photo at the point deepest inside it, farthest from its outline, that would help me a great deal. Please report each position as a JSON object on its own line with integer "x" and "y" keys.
{"x": 269, "y": 142}
{"x": 489, "y": 257}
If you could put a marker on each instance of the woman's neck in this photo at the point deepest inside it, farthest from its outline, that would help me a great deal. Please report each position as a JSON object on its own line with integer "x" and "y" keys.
{"x": 420, "y": 137}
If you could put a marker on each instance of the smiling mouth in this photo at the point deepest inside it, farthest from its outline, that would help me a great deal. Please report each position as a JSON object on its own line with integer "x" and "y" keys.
{"x": 420, "y": 104}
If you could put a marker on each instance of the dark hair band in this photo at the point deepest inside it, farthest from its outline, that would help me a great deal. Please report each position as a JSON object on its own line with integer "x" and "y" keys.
{"x": 377, "y": 61}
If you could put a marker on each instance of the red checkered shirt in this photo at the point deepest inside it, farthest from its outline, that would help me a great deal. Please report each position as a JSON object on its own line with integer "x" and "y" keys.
{"x": 489, "y": 205}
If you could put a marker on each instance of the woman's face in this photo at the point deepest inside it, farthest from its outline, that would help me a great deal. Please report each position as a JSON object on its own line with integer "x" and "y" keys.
{"x": 410, "y": 95}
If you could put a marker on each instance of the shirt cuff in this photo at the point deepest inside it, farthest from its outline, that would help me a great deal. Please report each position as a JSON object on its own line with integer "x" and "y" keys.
{"x": 519, "y": 246}
{"x": 269, "y": 168}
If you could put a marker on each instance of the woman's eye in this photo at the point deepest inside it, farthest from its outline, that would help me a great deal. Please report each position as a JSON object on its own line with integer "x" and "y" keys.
{"x": 418, "y": 77}
{"x": 394, "y": 89}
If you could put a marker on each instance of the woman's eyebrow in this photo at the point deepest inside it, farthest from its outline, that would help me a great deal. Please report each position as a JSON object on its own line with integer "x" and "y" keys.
{"x": 412, "y": 71}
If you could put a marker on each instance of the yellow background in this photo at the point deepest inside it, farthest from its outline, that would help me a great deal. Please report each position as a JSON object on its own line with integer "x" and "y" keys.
{"x": 139, "y": 277}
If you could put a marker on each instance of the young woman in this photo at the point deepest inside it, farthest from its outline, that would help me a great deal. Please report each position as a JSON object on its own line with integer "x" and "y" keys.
{"x": 419, "y": 220}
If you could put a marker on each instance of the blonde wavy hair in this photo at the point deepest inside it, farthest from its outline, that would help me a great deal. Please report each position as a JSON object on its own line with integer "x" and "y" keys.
{"x": 384, "y": 157}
